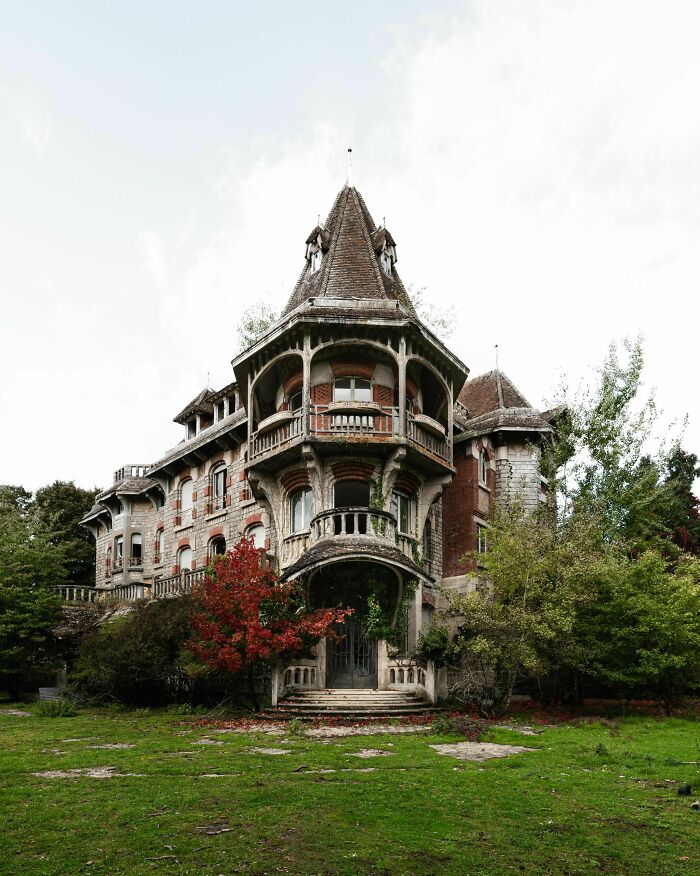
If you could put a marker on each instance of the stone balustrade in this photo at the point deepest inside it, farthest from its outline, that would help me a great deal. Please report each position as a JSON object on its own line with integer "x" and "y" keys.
{"x": 294, "y": 546}
{"x": 366, "y": 522}
{"x": 69, "y": 593}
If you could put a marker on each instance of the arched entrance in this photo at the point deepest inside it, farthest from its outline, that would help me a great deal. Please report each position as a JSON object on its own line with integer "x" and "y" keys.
{"x": 373, "y": 592}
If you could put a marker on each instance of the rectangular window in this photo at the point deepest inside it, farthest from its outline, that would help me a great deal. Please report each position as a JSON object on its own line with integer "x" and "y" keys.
{"x": 231, "y": 403}
{"x": 295, "y": 401}
{"x": 191, "y": 428}
{"x": 481, "y": 545}
{"x": 220, "y": 414}
{"x": 302, "y": 510}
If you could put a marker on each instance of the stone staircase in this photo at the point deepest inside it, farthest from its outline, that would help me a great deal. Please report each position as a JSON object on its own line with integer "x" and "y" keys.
{"x": 346, "y": 703}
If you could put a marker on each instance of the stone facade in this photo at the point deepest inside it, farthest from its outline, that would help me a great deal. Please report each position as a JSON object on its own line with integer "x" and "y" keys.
{"x": 350, "y": 445}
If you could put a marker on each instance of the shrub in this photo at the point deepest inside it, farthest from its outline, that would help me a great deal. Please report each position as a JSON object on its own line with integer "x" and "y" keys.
{"x": 58, "y": 708}
{"x": 436, "y": 645}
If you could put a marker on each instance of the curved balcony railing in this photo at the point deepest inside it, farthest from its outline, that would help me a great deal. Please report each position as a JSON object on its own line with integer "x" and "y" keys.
{"x": 367, "y": 522}
{"x": 347, "y": 420}
{"x": 173, "y": 585}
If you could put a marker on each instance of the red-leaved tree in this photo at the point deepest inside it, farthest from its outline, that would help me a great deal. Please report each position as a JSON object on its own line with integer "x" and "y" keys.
{"x": 243, "y": 616}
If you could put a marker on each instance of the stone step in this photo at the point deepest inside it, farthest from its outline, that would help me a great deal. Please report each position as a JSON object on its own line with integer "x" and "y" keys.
{"x": 351, "y": 704}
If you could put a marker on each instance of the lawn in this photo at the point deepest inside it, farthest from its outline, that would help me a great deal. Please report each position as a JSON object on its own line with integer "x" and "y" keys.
{"x": 595, "y": 797}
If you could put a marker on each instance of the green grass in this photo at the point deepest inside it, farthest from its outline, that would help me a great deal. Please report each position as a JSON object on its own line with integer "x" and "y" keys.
{"x": 592, "y": 799}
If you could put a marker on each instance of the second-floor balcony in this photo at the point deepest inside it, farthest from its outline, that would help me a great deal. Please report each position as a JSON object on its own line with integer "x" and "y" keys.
{"x": 350, "y": 421}
{"x": 337, "y": 523}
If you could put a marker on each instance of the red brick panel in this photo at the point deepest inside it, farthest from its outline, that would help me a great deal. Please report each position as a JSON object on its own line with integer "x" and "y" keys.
{"x": 293, "y": 383}
{"x": 352, "y": 471}
{"x": 458, "y": 529}
{"x": 252, "y": 518}
{"x": 352, "y": 368}
{"x": 294, "y": 480}
{"x": 407, "y": 482}
{"x": 322, "y": 394}
{"x": 383, "y": 395}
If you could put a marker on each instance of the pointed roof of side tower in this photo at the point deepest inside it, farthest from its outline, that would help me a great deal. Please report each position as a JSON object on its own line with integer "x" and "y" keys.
{"x": 489, "y": 392}
{"x": 493, "y": 403}
{"x": 357, "y": 258}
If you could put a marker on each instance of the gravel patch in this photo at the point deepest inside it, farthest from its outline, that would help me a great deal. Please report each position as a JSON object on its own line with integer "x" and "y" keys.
{"x": 113, "y": 746}
{"x": 207, "y": 741}
{"x": 479, "y": 751}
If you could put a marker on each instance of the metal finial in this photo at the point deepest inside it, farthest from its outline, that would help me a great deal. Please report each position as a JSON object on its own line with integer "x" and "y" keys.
{"x": 496, "y": 349}
{"x": 349, "y": 164}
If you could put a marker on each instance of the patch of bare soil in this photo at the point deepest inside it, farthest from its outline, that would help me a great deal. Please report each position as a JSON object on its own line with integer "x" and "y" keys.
{"x": 82, "y": 739}
{"x": 113, "y": 746}
{"x": 366, "y": 730}
{"x": 18, "y": 713}
{"x": 479, "y": 751}
{"x": 215, "y": 827}
{"x": 85, "y": 772}
{"x": 523, "y": 729}
{"x": 371, "y": 752}
{"x": 207, "y": 741}
{"x": 270, "y": 750}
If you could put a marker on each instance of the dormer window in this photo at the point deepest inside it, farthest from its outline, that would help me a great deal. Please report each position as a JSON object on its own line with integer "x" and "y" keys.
{"x": 231, "y": 403}
{"x": 219, "y": 410}
{"x": 191, "y": 428}
{"x": 316, "y": 258}
{"x": 387, "y": 262}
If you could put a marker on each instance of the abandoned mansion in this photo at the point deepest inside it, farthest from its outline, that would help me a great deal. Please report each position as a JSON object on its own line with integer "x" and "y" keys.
{"x": 350, "y": 446}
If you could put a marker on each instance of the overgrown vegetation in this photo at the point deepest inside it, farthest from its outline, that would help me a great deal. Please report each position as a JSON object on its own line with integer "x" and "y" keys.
{"x": 603, "y": 594}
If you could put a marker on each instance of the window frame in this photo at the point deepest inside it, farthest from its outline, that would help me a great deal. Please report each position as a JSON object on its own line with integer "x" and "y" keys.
{"x": 483, "y": 467}
{"x": 397, "y": 499}
{"x": 256, "y": 527}
{"x": 306, "y": 497}
{"x": 353, "y": 388}
{"x": 219, "y": 482}
{"x": 481, "y": 539}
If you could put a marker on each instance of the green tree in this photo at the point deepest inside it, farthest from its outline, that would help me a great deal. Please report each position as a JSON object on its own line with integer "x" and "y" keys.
{"x": 254, "y": 322}
{"x": 641, "y": 634}
{"x": 682, "y": 508}
{"x": 30, "y": 563}
{"x": 599, "y": 459}
{"x": 521, "y": 619}
{"x": 60, "y": 507}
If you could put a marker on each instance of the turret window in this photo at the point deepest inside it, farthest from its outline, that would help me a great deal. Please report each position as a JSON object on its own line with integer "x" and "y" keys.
{"x": 352, "y": 389}
{"x": 135, "y": 559}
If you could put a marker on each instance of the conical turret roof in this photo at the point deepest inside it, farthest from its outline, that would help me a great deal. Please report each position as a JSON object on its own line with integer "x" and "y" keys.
{"x": 351, "y": 245}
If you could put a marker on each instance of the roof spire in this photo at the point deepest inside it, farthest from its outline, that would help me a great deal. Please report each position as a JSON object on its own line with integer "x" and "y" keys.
{"x": 349, "y": 166}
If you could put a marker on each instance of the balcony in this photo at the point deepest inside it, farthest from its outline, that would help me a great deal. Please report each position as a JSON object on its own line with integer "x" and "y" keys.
{"x": 350, "y": 420}
{"x": 364, "y": 522}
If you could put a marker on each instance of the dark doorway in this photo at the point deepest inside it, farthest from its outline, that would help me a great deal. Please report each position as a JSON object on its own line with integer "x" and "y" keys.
{"x": 351, "y": 658}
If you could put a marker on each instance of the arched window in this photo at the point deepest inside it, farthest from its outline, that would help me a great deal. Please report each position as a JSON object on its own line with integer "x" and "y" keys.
{"x": 483, "y": 467}
{"x": 301, "y": 509}
{"x": 186, "y": 491}
{"x": 108, "y": 560}
{"x": 160, "y": 546}
{"x": 257, "y": 533}
{"x": 119, "y": 552}
{"x": 135, "y": 558}
{"x": 185, "y": 559}
{"x": 217, "y": 548}
{"x": 218, "y": 488}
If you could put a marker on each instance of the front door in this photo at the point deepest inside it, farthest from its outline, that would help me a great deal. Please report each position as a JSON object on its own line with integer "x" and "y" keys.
{"x": 351, "y": 657}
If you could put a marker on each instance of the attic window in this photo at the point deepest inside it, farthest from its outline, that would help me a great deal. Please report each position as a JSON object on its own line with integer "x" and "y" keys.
{"x": 387, "y": 262}
{"x": 316, "y": 258}
{"x": 219, "y": 411}
{"x": 191, "y": 428}
{"x": 232, "y": 403}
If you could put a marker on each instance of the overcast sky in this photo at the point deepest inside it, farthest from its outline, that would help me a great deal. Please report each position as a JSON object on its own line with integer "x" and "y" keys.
{"x": 162, "y": 163}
